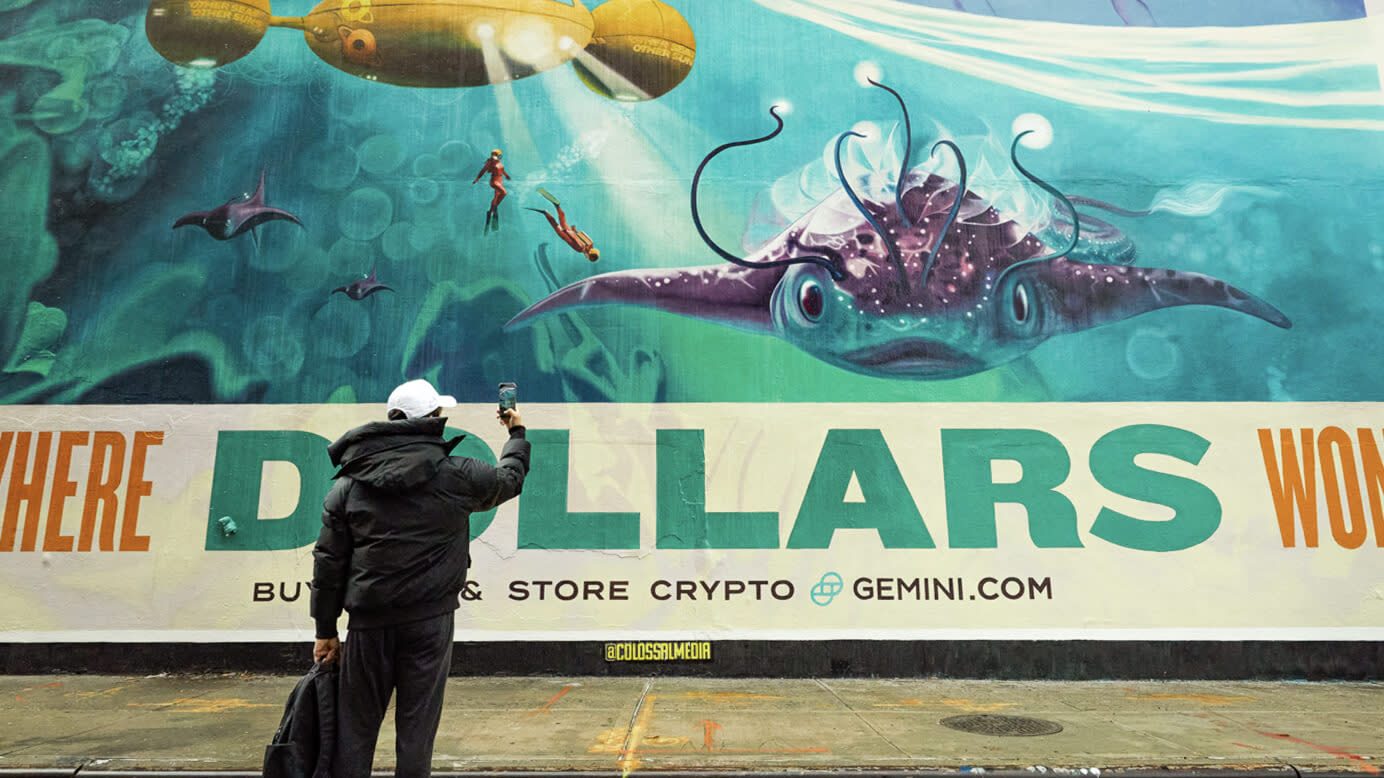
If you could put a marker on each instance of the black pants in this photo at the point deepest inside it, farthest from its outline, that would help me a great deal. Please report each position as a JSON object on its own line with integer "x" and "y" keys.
{"x": 410, "y": 659}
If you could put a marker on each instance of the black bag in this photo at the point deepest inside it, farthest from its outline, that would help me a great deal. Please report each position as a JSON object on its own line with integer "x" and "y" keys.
{"x": 302, "y": 747}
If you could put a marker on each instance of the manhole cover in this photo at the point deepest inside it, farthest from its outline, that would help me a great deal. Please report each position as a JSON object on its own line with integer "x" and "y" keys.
{"x": 1002, "y": 726}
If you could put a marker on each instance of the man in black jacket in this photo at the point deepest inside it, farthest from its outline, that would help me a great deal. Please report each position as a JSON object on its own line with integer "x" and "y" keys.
{"x": 393, "y": 552}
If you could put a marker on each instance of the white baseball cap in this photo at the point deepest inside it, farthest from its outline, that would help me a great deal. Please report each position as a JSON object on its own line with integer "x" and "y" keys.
{"x": 418, "y": 398}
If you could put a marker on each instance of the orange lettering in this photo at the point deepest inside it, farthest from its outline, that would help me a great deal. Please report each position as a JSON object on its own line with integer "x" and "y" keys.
{"x": 63, "y": 488}
{"x": 1335, "y": 442}
{"x": 137, "y": 488}
{"x": 100, "y": 493}
{"x": 25, "y": 490}
{"x": 1374, "y": 480}
{"x": 1295, "y": 491}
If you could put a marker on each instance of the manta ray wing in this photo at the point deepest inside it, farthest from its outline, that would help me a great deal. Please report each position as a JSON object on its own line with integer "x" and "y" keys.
{"x": 196, "y": 218}
{"x": 244, "y": 218}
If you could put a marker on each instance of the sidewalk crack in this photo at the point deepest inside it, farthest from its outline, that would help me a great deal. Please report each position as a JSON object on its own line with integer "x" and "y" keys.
{"x": 628, "y": 760}
{"x": 862, "y": 719}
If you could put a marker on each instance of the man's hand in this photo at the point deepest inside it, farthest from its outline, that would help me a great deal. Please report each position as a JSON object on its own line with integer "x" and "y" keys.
{"x": 326, "y": 650}
{"x": 510, "y": 418}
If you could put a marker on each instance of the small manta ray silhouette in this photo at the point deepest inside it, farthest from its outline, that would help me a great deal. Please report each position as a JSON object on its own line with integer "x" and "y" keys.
{"x": 362, "y": 288}
{"x": 237, "y": 216}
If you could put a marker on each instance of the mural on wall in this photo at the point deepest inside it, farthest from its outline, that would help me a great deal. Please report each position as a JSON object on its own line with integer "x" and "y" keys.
{"x": 949, "y": 186}
{"x": 877, "y": 289}
{"x": 982, "y": 316}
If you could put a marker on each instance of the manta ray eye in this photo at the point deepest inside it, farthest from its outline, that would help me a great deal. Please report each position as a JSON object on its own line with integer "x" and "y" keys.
{"x": 811, "y": 300}
{"x": 1021, "y": 304}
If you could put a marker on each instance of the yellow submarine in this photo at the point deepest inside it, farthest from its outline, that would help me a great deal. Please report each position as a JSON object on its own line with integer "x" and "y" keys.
{"x": 624, "y": 50}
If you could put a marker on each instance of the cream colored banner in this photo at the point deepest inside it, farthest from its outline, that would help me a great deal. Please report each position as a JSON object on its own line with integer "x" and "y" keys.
{"x": 722, "y": 521}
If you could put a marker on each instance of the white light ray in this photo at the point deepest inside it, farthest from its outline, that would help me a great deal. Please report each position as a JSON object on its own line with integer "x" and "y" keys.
{"x": 1199, "y": 72}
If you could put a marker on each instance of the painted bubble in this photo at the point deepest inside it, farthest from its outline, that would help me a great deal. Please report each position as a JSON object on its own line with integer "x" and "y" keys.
{"x": 455, "y": 156}
{"x": 347, "y": 257}
{"x": 124, "y": 163}
{"x": 442, "y": 263}
{"x": 1151, "y": 354}
{"x": 350, "y": 101}
{"x": 341, "y": 328}
{"x": 426, "y": 165}
{"x": 365, "y": 213}
{"x": 310, "y": 270}
{"x": 381, "y": 154}
{"x": 396, "y": 243}
{"x": 62, "y": 47}
{"x": 423, "y": 236}
{"x": 106, "y": 96}
{"x": 280, "y": 246}
{"x": 272, "y": 347}
{"x": 62, "y": 109}
{"x": 423, "y": 190}
{"x": 73, "y": 151}
{"x": 329, "y": 166}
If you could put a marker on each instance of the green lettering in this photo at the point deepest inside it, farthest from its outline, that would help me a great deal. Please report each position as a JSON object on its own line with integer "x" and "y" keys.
{"x": 1196, "y": 511}
{"x": 544, "y": 521}
{"x": 683, "y": 521}
{"x": 235, "y": 489}
{"x": 888, "y": 507}
{"x": 972, "y": 494}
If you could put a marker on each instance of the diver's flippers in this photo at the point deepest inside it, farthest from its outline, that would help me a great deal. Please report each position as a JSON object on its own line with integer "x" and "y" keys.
{"x": 548, "y": 195}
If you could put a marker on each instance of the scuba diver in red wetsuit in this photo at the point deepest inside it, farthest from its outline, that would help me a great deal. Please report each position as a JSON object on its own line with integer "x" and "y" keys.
{"x": 496, "y": 169}
{"x": 578, "y": 240}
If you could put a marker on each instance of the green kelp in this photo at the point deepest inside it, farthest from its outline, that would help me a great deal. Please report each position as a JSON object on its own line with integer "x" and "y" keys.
{"x": 38, "y": 341}
{"x": 157, "y": 306}
{"x": 32, "y": 251}
{"x": 456, "y": 341}
{"x": 76, "y": 51}
{"x": 586, "y": 365}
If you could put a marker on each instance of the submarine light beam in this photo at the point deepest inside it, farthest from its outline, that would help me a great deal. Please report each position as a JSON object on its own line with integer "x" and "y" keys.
{"x": 532, "y": 42}
{"x": 622, "y": 88}
{"x": 512, "y": 124}
{"x": 495, "y": 68}
{"x": 645, "y": 215}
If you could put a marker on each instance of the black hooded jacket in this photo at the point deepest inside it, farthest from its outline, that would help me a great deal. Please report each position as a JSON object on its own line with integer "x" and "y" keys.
{"x": 396, "y": 524}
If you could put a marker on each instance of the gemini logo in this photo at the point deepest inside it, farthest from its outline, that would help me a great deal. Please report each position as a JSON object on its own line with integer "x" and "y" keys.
{"x": 825, "y": 590}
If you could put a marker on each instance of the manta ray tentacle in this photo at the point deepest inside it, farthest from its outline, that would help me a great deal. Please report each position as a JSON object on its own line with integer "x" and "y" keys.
{"x": 1052, "y": 190}
{"x": 837, "y": 273}
{"x": 859, "y": 206}
{"x": 956, "y": 206}
{"x": 1104, "y": 206}
{"x": 907, "y": 152}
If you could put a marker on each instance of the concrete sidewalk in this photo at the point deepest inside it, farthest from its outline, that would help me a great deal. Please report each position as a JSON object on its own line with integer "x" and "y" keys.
{"x": 617, "y": 725}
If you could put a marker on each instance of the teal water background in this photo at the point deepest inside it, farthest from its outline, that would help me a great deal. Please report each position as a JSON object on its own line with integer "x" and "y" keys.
{"x": 132, "y": 311}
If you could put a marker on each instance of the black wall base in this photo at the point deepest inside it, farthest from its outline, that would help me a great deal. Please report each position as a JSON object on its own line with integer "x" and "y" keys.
{"x": 995, "y": 659}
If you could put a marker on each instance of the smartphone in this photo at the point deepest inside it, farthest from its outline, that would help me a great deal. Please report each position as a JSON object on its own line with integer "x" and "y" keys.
{"x": 508, "y": 394}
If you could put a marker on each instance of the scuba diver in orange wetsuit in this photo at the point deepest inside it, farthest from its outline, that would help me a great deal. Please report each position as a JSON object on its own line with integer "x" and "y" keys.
{"x": 578, "y": 240}
{"x": 496, "y": 169}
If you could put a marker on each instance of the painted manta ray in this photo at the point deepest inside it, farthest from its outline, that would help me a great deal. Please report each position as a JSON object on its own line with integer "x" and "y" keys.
{"x": 362, "y": 288}
{"x": 237, "y": 216}
{"x": 936, "y": 284}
